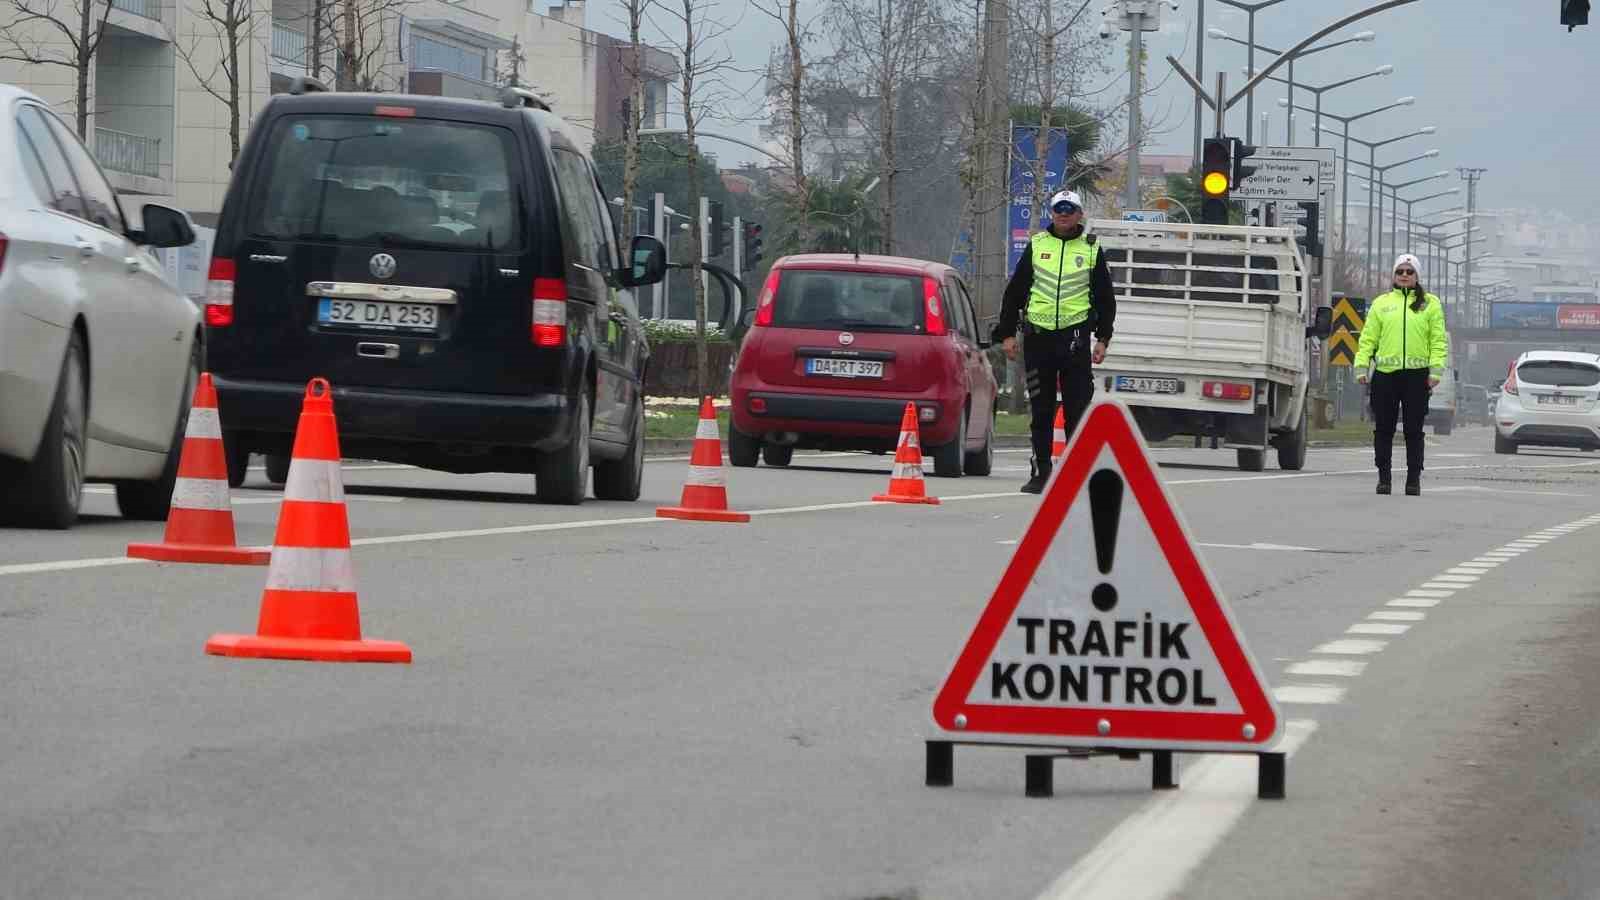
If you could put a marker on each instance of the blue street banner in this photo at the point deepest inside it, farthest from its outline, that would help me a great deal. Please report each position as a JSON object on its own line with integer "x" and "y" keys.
{"x": 1024, "y": 151}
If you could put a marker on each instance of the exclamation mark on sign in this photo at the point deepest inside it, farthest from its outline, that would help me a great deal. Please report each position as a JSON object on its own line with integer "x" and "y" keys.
{"x": 1105, "y": 510}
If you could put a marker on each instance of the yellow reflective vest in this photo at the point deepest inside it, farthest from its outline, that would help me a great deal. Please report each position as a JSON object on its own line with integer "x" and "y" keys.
{"x": 1059, "y": 297}
{"x": 1395, "y": 336}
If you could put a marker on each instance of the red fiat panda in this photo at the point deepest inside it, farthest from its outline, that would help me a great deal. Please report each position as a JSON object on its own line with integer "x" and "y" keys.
{"x": 841, "y": 343}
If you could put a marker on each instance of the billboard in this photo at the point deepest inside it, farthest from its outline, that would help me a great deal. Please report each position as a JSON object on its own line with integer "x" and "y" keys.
{"x": 1552, "y": 316}
{"x": 1024, "y": 151}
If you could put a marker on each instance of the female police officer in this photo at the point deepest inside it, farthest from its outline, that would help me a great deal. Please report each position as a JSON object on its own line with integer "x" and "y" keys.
{"x": 1060, "y": 291}
{"x": 1404, "y": 335}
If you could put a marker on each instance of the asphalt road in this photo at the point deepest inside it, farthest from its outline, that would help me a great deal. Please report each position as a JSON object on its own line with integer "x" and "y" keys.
{"x": 605, "y": 704}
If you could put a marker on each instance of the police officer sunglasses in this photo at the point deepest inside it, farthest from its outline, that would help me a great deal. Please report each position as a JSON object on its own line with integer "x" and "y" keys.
{"x": 1405, "y": 271}
{"x": 1063, "y": 209}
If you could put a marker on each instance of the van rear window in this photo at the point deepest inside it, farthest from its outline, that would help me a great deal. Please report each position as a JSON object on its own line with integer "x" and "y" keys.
{"x": 864, "y": 301}
{"x": 1559, "y": 373}
{"x": 389, "y": 183}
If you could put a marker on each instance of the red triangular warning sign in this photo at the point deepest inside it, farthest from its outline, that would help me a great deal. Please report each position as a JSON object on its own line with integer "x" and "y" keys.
{"x": 1107, "y": 625}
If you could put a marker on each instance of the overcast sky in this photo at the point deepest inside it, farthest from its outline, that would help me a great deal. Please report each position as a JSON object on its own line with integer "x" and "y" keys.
{"x": 1508, "y": 88}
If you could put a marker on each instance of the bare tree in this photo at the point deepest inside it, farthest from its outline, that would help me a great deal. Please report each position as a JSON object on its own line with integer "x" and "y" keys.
{"x": 1062, "y": 53}
{"x": 791, "y": 105}
{"x": 509, "y": 74}
{"x": 231, "y": 24}
{"x": 79, "y": 25}
{"x": 885, "y": 45}
{"x": 633, "y": 68}
{"x": 703, "y": 91}
{"x": 363, "y": 49}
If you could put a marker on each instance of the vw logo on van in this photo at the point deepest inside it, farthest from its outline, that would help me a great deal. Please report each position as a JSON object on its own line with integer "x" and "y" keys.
{"x": 846, "y": 338}
{"x": 382, "y": 266}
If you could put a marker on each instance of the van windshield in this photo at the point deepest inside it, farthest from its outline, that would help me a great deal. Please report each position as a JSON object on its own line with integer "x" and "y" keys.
{"x": 863, "y": 301}
{"x": 389, "y": 183}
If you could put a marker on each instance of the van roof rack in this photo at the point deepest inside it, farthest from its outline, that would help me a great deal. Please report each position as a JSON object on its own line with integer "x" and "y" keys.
{"x": 307, "y": 85}
{"x": 513, "y": 97}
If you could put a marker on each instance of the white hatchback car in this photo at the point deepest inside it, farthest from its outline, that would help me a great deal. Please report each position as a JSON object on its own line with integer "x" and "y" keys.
{"x": 1551, "y": 398}
{"x": 98, "y": 353}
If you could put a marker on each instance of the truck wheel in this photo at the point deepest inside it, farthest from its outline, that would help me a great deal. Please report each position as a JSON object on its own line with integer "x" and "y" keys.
{"x": 1502, "y": 445}
{"x": 1292, "y": 448}
{"x": 1251, "y": 460}
{"x": 743, "y": 450}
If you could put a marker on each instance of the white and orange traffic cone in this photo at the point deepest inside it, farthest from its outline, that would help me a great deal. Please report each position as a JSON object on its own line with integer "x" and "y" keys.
{"x": 200, "y": 520}
{"x": 309, "y": 608}
{"x": 905, "y": 482}
{"x": 1058, "y": 437}
{"x": 705, "y": 491}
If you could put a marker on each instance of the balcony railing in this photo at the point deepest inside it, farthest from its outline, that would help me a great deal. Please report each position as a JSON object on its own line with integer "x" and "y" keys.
{"x": 150, "y": 9}
{"x": 134, "y": 154}
{"x": 288, "y": 45}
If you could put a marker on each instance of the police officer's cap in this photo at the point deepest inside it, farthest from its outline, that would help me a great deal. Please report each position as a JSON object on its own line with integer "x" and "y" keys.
{"x": 1066, "y": 202}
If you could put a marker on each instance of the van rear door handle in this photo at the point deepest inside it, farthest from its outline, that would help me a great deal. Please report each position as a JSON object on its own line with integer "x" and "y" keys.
{"x": 373, "y": 350}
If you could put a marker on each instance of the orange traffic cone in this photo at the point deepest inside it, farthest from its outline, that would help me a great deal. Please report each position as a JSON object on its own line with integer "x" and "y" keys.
{"x": 705, "y": 491}
{"x": 905, "y": 482}
{"x": 309, "y": 610}
{"x": 200, "y": 520}
{"x": 1058, "y": 438}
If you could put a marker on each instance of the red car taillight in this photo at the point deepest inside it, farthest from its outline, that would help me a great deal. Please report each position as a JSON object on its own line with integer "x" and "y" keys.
{"x": 935, "y": 310}
{"x": 1510, "y": 387}
{"x": 767, "y": 301}
{"x": 549, "y": 312}
{"x": 219, "y": 292}
{"x": 2, "y": 253}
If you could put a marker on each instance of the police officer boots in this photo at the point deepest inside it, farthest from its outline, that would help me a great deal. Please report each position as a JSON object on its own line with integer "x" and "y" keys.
{"x": 1041, "y": 474}
{"x": 1413, "y": 483}
{"x": 1383, "y": 481}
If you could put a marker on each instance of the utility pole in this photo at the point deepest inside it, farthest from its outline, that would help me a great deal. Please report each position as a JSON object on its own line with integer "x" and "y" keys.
{"x": 1199, "y": 70}
{"x": 1136, "y": 17}
{"x": 1471, "y": 175}
{"x": 990, "y": 235}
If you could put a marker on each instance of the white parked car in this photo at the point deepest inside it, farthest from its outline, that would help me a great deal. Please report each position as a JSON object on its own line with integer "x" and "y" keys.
{"x": 98, "y": 353}
{"x": 1551, "y": 398}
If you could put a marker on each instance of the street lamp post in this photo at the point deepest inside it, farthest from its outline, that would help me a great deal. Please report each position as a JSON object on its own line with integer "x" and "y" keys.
{"x": 1250, "y": 10}
{"x": 1396, "y": 200}
{"x": 1382, "y": 172}
{"x": 1316, "y": 128}
{"x": 1358, "y": 38}
{"x": 1394, "y": 219}
{"x": 1372, "y": 153}
{"x": 1430, "y": 239}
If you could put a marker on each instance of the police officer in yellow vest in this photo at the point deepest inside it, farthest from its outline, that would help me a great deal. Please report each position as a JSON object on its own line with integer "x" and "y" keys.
{"x": 1060, "y": 292}
{"x": 1404, "y": 335}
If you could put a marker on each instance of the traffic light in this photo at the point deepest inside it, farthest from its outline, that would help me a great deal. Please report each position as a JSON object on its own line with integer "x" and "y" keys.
{"x": 714, "y": 245}
{"x": 752, "y": 246}
{"x": 1241, "y": 152}
{"x": 1214, "y": 170}
{"x": 1313, "y": 239}
{"x": 1574, "y": 13}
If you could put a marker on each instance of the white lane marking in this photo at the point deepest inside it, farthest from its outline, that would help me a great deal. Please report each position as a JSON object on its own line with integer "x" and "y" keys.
{"x": 1419, "y": 602}
{"x": 1444, "y": 586}
{"x": 1351, "y": 647}
{"x": 1308, "y": 694}
{"x": 1384, "y": 615}
{"x": 1260, "y": 546}
{"x": 1377, "y": 628}
{"x": 1466, "y": 569}
{"x": 1151, "y": 853}
{"x": 1445, "y": 489}
{"x": 1439, "y": 594}
{"x": 1007, "y": 543}
{"x": 65, "y": 564}
{"x": 1457, "y": 577}
{"x": 1484, "y": 562}
{"x": 1343, "y": 668}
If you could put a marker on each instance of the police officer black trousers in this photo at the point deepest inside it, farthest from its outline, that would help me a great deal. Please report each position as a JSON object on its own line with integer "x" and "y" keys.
{"x": 1050, "y": 358}
{"x": 1399, "y": 396}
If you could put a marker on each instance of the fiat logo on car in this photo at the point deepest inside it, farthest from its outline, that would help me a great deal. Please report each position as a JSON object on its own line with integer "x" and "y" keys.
{"x": 846, "y": 338}
{"x": 382, "y": 266}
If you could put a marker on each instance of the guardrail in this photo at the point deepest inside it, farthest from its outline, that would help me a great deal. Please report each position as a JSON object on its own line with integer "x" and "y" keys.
{"x": 134, "y": 154}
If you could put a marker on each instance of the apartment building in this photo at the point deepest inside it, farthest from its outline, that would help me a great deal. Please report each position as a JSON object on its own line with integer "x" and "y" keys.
{"x": 160, "y": 130}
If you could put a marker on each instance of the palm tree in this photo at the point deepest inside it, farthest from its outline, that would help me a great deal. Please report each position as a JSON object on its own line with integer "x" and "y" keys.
{"x": 1085, "y": 168}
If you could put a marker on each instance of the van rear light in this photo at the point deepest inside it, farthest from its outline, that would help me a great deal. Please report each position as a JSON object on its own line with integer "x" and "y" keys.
{"x": 2, "y": 253}
{"x": 1226, "y": 390}
{"x": 219, "y": 292}
{"x": 768, "y": 300}
{"x": 935, "y": 310}
{"x": 398, "y": 112}
{"x": 549, "y": 312}
{"x": 1510, "y": 387}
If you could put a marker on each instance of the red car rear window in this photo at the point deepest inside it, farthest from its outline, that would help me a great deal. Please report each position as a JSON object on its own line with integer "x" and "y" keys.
{"x": 862, "y": 301}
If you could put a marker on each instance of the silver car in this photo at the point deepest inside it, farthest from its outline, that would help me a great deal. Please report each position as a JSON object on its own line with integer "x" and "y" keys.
{"x": 1551, "y": 398}
{"x": 98, "y": 353}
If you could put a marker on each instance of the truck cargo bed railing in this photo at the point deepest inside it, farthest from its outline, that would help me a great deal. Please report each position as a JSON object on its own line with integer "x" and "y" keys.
{"x": 1215, "y": 263}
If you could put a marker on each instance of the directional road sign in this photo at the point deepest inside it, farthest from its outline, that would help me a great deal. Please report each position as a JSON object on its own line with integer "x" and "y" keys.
{"x": 1286, "y": 180}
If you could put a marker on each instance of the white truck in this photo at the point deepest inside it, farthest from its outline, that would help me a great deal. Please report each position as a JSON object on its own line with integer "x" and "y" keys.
{"x": 1213, "y": 335}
